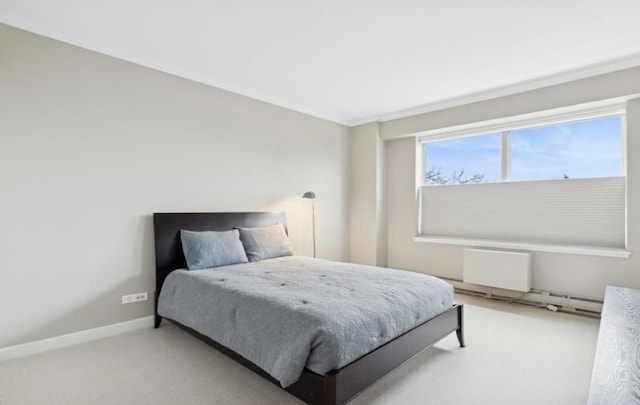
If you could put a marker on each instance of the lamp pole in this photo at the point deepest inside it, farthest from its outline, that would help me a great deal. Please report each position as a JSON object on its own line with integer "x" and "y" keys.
{"x": 313, "y": 215}
{"x": 312, "y": 196}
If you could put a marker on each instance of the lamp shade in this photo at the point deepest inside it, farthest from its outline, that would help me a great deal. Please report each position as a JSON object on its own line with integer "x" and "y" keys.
{"x": 309, "y": 194}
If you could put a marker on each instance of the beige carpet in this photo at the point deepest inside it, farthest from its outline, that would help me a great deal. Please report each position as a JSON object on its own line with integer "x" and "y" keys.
{"x": 514, "y": 355}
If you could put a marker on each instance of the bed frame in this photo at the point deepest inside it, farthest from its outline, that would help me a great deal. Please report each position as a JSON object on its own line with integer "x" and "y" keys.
{"x": 335, "y": 387}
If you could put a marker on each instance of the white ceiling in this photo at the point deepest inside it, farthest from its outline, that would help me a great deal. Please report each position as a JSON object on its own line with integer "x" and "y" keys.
{"x": 352, "y": 61}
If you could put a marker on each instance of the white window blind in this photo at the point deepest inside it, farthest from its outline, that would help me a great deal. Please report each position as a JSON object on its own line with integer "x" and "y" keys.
{"x": 581, "y": 212}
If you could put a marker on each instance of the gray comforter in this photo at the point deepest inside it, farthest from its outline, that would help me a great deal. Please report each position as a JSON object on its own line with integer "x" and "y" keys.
{"x": 293, "y": 312}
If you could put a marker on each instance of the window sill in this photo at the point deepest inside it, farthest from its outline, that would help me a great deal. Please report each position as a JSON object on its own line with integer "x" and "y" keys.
{"x": 537, "y": 247}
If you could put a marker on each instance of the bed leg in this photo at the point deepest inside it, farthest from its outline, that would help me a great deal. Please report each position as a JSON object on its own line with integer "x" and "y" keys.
{"x": 460, "y": 334}
{"x": 156, "y": 318}
{"x": 460, "y": 330}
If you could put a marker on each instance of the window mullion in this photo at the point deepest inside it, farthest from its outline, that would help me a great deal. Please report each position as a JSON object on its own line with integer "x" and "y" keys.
{"x": 505, "y": 156}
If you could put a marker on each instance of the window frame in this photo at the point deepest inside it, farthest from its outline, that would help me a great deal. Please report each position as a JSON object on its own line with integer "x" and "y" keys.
{"x": 505, "y": 126}
{"x": 600, "y": 109}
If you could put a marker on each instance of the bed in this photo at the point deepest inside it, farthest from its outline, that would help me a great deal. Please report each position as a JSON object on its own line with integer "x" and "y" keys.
{"x": 334, "y": 386}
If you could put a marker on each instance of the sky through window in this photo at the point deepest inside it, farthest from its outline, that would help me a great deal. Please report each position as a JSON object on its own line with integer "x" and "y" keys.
{"x": 581, "y": 149}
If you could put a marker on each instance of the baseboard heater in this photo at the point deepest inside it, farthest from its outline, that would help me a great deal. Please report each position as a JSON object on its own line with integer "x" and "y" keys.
{"x": 499, "y": 269}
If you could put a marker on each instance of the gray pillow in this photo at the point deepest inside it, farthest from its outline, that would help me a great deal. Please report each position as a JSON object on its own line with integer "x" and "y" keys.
{"x": 204, "y": 250}
{"x": 265, "y": 242}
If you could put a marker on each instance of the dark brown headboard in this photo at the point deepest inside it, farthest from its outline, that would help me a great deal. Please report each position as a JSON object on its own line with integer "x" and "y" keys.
{"x": 167, "y": 227}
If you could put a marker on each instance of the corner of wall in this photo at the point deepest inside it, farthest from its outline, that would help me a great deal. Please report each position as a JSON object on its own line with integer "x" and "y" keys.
{"x": 368, "y": 208}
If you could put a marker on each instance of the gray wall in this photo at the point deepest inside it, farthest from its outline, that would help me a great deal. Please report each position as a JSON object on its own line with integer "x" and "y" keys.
{"x": 584, "y": 276}
{"x": 91, "y": 146}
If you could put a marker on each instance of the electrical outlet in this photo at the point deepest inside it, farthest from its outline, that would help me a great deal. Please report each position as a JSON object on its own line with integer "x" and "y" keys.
{"x": 128, "y": 299}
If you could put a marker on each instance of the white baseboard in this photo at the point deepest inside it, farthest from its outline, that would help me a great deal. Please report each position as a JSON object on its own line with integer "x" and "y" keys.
{"x": 58, "y": 342}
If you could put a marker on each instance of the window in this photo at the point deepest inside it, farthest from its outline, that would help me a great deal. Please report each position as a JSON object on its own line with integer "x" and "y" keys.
{"x": 554, "y": 180}
{"x": 466, "y": 160}
{"x": 581, "y": 149}
{"x": 571, "y": 150}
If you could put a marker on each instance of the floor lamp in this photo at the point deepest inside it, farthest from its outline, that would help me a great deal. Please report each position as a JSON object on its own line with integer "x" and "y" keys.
{"x": 312, "y": 196}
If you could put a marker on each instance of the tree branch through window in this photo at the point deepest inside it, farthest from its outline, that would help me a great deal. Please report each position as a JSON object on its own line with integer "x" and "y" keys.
{"x": 435, "y": 177}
